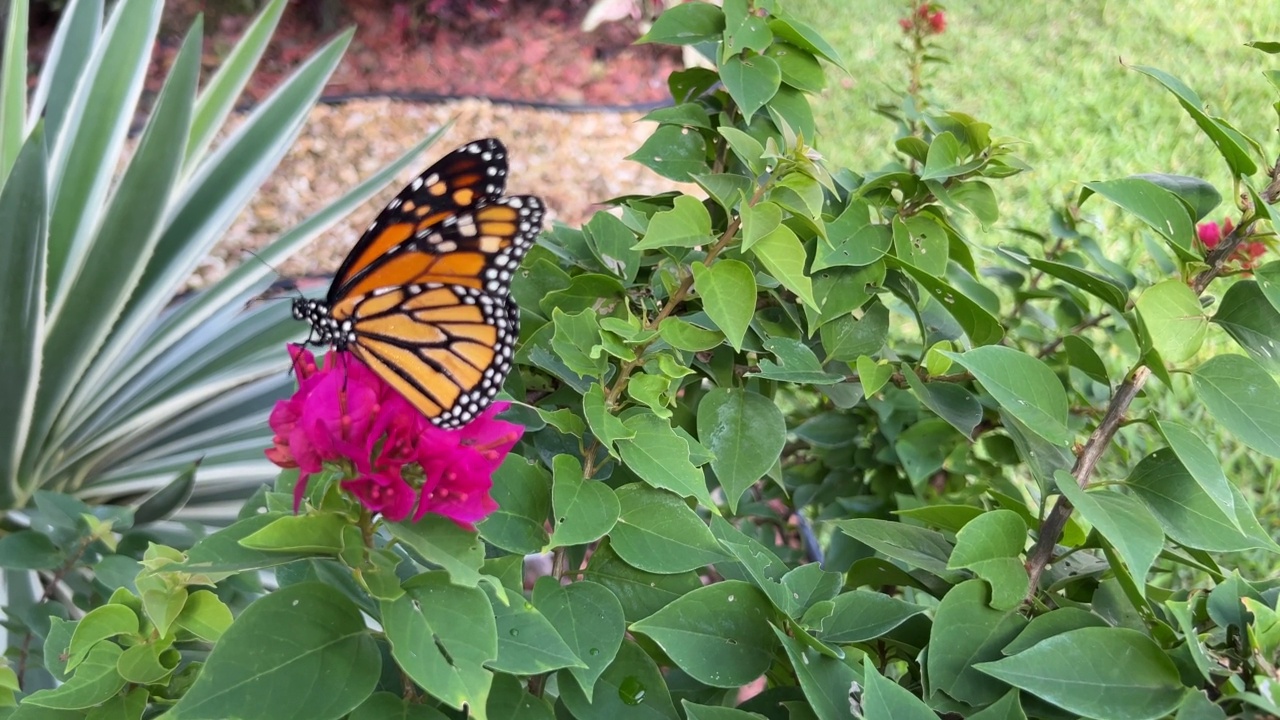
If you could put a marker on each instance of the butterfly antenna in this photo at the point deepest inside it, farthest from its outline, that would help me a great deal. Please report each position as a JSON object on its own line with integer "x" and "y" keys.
{"x": 279, "y": 290}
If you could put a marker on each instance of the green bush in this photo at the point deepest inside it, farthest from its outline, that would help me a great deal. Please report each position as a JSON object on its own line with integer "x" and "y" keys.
{"x": 806, "y": 435}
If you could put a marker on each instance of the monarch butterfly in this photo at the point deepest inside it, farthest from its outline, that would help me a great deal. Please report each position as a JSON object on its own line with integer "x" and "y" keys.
{"x": 424, "y": 297}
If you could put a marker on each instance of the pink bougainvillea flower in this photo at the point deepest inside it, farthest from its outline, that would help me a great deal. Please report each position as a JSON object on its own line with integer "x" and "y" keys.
{"x": 396, "y": 462}
{"x": 457, "y": 487}
{"x": 1212, "y": 233}
{"x": 383, "y": 492}
{"x": 938, "y": 22}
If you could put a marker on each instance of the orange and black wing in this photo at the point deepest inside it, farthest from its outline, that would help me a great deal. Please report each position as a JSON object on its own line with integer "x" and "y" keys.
{"x": 446, "y": 348}
{"x": 445, "y": 193}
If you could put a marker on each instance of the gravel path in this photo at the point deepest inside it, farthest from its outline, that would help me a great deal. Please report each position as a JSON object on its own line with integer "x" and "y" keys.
{"x": 570, "y": 160}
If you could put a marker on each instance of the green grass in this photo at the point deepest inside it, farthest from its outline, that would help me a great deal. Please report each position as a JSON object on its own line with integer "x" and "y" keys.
{"x": 1051, "y": 74}
{"x": 1054, "y": 75}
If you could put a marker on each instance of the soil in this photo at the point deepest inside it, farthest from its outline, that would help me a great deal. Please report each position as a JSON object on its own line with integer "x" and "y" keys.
{"x": 528, "y": 50}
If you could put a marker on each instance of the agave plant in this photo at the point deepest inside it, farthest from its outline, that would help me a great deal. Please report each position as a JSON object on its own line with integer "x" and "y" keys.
{"x": 111, "y": 388}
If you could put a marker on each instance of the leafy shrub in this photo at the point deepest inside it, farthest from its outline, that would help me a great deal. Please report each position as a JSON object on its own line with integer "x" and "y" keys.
{"x": 805, "y": 435}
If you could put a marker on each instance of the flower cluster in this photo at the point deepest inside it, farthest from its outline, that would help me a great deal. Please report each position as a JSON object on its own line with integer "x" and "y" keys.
{"x": 396, "y": 462}
{"x": 927, "y": 19}
{"x": 1247, "y": 253}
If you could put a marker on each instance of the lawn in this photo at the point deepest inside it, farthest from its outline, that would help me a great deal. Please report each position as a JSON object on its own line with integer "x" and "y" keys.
{"x": 1055, "y": 75}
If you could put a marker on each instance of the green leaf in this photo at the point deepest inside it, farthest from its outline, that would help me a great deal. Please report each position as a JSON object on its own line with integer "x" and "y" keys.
{"x": 169, "y": 499}
{"x": 1246, "y": 314}
{"x": 589, "y": 618}
{"x": 1236, "y": 155}
{"x": 301, "y": 636}
{"x": 657, "y": 532}
{"x": 675, "y": 153}
{"x": 841, "y": 291}
{"x": 1174, "y": 318}
{"x": 604, "y": 425}
{"x": 234, "y": 70}
{"x": 1082, "y": 356}
{"x": 745, "y": 431}
{"x": 13, "y": 86}
{"x": 24, "y": 214}
{"x": 1160, "y": 209}
{"x": 999, "y": 533}
{"x": 1006, "y": 708}
{"x": 1199, "y": 195}
{"x": 523, "y": 493}
{"x": 205, "y": 616}
{"x": 783, "y": 256}
{"x": 1022, "y": 385}
{"x": 576, "y": 341}
{"x": 684, "y": 335}
{"x": 614, "y": 245}
{"x": 585, "y": 510}
{"x": 441, "y": 636}
{"x": 921, "y": 242}
{"x": 748, "y": 149}
{"x": 687, "y": 224}
{"x": 800, "y": 69}
{"x": 859, "y": 615}
{"x": 854, "y": 239}
{"x": 979, "y": 199}
{"x": 965, "y": 634}
{"x": 796, "y": 364}
{"x": 990, "y": 545}
{"x": 319, "y": 533}
{"x": 441, "y": 542}
{"x": 719, "y": 634}
{"x": 101, "y": 623}
{"x": 1105, "y": 289}
{"x": 1243, "y": 397}
{"x": 1123, "y": 521}
{"x": 709, "y": 712}
{"x": 163, "y": 597}
{"x": 1186, "y": 512}
{"x": 1201, "y": 462}
{"x": 29, "y": 550}
{"x": 528, "y": 644}
{"x": 1065, "y": 671}
{"x": 916, "y": 546}
{"x": 759, "y": 220}
{"x": 883, "y": 699}
{"x": 508, "y": 699}
{"x": 631, "y": 688}
{"x": 826, "y": 681}
{"x": 85, "y": 153}
{"x": 222, "y": 552}
{"x": 982, "y": 327}
{"x": 661, "y": 458}
{"x": 641, "y": 593}
{"x": 96, "y": 680}
{"x": 744, "y": 30}
{"x": 949, "y": 401}
{"x": 943, "y": 161}
{"x": 873, "y": 375}
{"x": 384, "y": 705}
{"x": 727, "y": 189}
{"x": 728, "y": 292}
{"x": 686, "y": 25}
{"x": 804, "y": 37}
{"x": 146, "y": 664}
{"x": 751, "y": 82}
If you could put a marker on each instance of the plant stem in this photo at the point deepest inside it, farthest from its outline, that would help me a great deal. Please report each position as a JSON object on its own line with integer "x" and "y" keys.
{"x": 1086, "y": 461}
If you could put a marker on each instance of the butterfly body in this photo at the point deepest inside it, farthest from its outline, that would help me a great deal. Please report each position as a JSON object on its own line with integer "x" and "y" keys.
{"x": 423, "y": 298}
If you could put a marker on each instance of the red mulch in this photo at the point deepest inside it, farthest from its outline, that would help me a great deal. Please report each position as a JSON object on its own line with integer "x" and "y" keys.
{"x": 518, "y": 49}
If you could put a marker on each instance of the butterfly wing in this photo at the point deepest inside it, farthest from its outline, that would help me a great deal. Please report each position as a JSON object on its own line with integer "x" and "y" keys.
{"x": 446, "y": 348}
{"x": 426, "y": 290}
{"x": 458, "y": 183}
